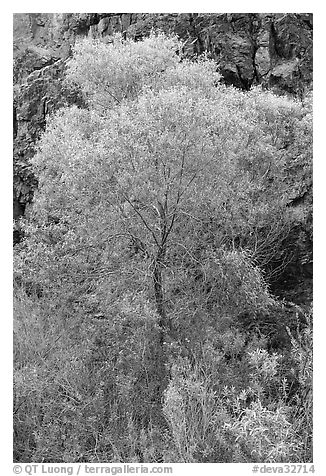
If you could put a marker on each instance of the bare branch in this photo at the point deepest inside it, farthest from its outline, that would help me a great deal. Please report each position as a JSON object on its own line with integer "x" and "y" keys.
{"x": 142, "y": 219}
{"x": 179, "y": 196}
{"x": 112, "y": 95}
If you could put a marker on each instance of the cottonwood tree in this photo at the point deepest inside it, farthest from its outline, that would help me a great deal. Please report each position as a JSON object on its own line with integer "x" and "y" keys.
{"x": 127, "y": 186}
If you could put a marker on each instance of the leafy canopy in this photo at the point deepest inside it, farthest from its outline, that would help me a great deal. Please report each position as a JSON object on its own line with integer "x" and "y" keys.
{"x": 165, "y": 165}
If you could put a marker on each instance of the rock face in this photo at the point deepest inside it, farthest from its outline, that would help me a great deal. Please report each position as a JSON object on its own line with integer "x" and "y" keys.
{"x": 274, "y": 50}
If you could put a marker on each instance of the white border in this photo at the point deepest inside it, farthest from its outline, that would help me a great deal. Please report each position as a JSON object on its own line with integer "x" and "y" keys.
{"x": 319, "y": 186}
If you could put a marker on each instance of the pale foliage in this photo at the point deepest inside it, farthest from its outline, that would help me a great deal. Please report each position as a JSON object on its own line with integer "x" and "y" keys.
{"x": 170, "y": 175}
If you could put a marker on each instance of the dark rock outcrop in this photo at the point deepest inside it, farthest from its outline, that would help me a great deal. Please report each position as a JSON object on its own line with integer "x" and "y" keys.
{"x": 42, "y": 45}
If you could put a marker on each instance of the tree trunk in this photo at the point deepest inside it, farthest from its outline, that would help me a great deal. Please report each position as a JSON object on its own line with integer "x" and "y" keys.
{"x": 159, "y": 291}
{"x": 160, "y": 354}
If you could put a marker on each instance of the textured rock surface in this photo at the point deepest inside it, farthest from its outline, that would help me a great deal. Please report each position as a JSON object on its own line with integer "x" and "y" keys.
{"x": 270, "y": 49}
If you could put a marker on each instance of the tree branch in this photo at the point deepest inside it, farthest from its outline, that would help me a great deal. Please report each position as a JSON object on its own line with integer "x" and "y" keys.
{"x": 142, "y": 219}
{"x": 112, "y": 95}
